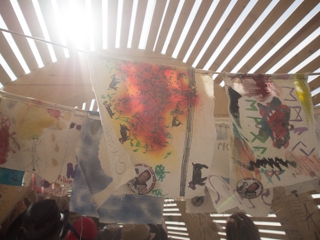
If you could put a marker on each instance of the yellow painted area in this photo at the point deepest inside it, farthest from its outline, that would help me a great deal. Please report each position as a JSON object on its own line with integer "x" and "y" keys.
{"x": 68, "y": 116}
{"x": 54, "y": 162}
{"x": 57, "y": 148}
{"x": 303, "y": 95}
{"x": 34, "y": 122}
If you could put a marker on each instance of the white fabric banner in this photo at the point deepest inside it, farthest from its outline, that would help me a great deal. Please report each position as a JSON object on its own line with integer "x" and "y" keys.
{"x": 157, "y": 119}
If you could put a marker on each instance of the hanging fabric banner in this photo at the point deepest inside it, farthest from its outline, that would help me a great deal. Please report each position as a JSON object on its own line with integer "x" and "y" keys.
{"x": 225, "y": 197}
{"x": 11, "y": 177}
{"x": 158, "y": 125}
{"x": 33, "y": 135}
{"x": 68, "y": 169}
{"x": 111, "y": 206}
{"x": 272, "y": 139}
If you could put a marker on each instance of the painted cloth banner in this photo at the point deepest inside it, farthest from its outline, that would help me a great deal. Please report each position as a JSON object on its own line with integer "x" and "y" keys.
{"x": 11, "y": 177}
{"x": 111, "y": 206}
{"x": 68, "y": 169}
{"x": 272, "y": 139}
{"x": 225, "y": 197}
{"x": 156, "y": 119}
{"x": 33, "y": 135}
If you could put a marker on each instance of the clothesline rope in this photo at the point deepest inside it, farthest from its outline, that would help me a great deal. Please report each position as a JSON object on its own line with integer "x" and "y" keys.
{"x": 100, "y": 55}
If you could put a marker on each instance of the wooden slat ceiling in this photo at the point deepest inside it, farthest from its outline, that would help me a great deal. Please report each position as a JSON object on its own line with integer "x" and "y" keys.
{"x": 212, "y": 25}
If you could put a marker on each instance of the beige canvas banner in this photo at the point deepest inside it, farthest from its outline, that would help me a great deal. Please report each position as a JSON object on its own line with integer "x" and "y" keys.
{"x": 33, "y": 135}
{"x": 273, "y": 140}
{"x": 156, "y": 119}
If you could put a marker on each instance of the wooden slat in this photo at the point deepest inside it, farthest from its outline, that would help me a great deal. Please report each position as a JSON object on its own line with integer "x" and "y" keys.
{"x": 316, "y": 99}
{"x": 221, "y": 7}
{"x": 126, "y": 18}
{"x": 166, "y": 25}
{"x": 97, "y": 21}
{"x": 301, "y": 56}
{"x": 10, "y": 58}
{"x": 4, "y": 78}
{"x": 228, "y": 23}
{"x": 35, "y": 29}
{"x": 311, "y": 67}
{"x": 141, "y": 11}
{"x": 314, "y": 84}
{"x": 155, "y": 24}
{"x": 286, "y": 27}
{"x": 186, "y": 9}
{"x": 112, "y": 23}
{"x": 204, "y": 7}
{"x": 243, "y": 29}
{"x": 13, "y": 24}
{"x": 261, "y": 30}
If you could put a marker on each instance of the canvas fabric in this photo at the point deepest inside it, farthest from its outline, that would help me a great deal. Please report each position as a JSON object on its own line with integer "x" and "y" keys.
{"x": 225, "y": 198}
{"x": 272, "y": 129}
{"x": 93, "y": 164}
{"x": 33, "y": 135}
{"x": 157, "y": 115}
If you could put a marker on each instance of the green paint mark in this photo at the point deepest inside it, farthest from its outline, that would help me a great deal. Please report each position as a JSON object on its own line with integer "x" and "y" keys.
{"x": 262, "y": 138}
{"x": 256, "y": 119}
{"x": 158, "y": 192}
{"x": 168, "y": 154}
{"x": 160, "y": 172}
{"x": 252, "y": 105}
{"x": 263, "y": 149}
{"x": 103, "y": 96}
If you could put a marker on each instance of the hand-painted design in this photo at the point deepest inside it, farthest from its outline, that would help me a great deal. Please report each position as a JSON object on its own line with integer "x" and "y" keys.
{"x": 258, "y": 163}
{"x": 189, "y": 131}
{"x": 145, "y": 180}
{"x": 123, "y": 132}
{"x": 234, "y": 105}
{"x": 70, "y": 171}
{"x": 249, "y": 188}
{"x": 304, "y": 95}
{"x": 270, "y": 174}
{"x": 293, "y": 98}
{"x": 196, "y": 176}
{"x": 5, "y": 136}
{"x": 259, "y": 86}
{"x": 158, "y": 193}
{"x": 297, "y": 110}
{"x": 160, "y": 172}
{"x": 108, "y": 108}
{"x": 197, "y": 201}
{"x": 307, "y": 154}
{"x": 54, "y": 113}
{"x": 275, "y": 122}
{"x": 241, "y": 153}
{"x": 114, "y": 82}
{"x": 149, "y": 98}
{"x": 35, "y": 159}
{"x": 299, "y": 130}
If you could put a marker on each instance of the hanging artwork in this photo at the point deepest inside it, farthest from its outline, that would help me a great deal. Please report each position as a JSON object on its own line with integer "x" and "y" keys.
{"x": 110, "y": 205}
{"x": 68, "y": 170}
{"x": 41, "y": 185}
{"x": 160, "y": 116}
{"x": 11, "y": 177}
{"x": 33, "y": 135}
{"x": 272, "y": 141}
{"x": 225, "y": 197}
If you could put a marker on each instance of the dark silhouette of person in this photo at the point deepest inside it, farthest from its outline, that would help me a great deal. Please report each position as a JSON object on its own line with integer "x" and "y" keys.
{"x": 241, "y": 227}
{"x": 251, "y": 190}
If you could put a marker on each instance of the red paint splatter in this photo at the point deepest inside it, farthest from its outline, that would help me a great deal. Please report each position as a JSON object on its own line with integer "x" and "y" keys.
{"x": 151, "y": 99}
{"x": 54, "y": 113}
{"x": 4, "y": 138}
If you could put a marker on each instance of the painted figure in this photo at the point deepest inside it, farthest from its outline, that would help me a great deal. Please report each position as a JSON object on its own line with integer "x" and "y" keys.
{"x": 196, "y": 177}
{"x": 108, "y": 108}
{"x": 123, "y": 132}
{"x": 114, "y": 82}
{"x": 139, "y": 184}
{"x": 275, "y": 122}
